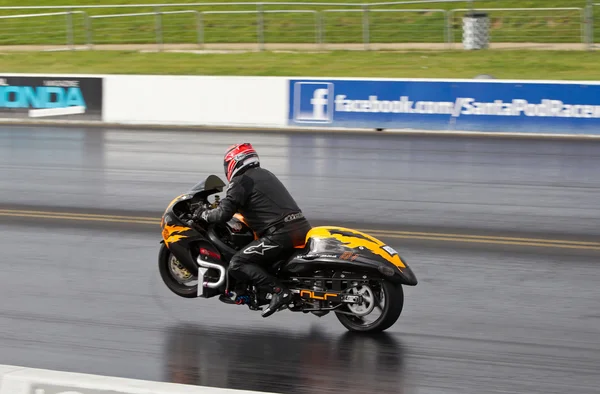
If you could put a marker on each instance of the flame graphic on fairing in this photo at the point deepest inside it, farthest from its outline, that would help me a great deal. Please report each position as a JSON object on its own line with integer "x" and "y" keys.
{"x": 172, "y": 234}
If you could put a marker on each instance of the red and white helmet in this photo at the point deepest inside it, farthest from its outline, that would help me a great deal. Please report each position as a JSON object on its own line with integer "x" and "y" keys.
{"x": 238, "y": 157}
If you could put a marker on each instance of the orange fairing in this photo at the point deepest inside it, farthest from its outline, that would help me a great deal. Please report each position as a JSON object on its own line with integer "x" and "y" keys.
{"x": 356, "y": 240}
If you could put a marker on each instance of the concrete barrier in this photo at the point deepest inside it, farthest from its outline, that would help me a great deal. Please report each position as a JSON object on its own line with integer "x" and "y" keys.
{"x": 20, "y": 380}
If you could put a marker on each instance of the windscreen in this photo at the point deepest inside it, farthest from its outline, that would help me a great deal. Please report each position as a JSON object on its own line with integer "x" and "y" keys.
{"x": 212, "y": 182}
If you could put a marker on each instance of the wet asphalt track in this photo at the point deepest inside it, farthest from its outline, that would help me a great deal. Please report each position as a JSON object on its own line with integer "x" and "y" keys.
{"x": 485, "y": 318}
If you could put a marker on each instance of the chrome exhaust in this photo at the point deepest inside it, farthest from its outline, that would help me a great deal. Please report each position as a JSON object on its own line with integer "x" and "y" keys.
{"x": 205, "y": 265}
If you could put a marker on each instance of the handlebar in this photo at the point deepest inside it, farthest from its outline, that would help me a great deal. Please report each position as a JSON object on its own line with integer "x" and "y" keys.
{"x": 201, "y": 206}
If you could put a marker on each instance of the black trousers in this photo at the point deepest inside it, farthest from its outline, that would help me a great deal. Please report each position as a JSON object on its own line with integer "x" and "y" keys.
{"x": 248, "y": 264}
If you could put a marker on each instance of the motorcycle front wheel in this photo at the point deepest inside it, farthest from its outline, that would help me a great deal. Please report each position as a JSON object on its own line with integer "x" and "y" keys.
{"x": 175, "y": 276}
{"x": 388, "y": 298}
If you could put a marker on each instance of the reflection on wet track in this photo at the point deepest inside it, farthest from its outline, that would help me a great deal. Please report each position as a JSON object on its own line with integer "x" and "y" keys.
{"x": 81, "y": 294}
{"x": 270, "y": 360}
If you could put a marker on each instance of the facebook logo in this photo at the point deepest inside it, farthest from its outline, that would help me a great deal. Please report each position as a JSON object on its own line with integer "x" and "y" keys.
{"x": 313, "y": 102}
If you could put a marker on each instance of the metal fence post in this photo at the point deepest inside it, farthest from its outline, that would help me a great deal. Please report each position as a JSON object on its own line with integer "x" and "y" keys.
{"x": 260, "y": 26}
{"x": 69, "y": 16}
{"x": 88, "y": 30}
{"x": 317, "y": 29}
{"x": 590, "y": 24}
{"x": 159, "y": 32}
{"x": 322, "y": 29}
{"x": 450, "y": 27}
{"x": 583, "y": 23}
{"x": 200, "y": 27}
{"x": 69, "y": 28}
{"x": 447, "y": 28}
{"x": 366, "y": 26}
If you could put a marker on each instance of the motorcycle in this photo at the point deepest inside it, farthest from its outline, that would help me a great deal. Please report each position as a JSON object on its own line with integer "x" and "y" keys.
{"x": 339, "y": 270}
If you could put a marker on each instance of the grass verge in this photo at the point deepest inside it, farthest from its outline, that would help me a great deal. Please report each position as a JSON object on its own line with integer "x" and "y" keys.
{"x": 567, "y": 65}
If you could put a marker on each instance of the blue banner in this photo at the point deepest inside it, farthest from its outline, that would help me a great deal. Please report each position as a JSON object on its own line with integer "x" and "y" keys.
{"x": 437, "y": 105}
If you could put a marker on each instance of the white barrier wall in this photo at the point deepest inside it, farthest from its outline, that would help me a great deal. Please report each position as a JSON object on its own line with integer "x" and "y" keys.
{"x": 203, "y": 101}
{"x": 17, "y": 380}
{"x": 145, "y": 99}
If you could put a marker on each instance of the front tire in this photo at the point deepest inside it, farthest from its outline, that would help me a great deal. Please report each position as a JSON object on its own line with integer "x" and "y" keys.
{"x": 390, "y": 312}
{"x": 175, "y": 276}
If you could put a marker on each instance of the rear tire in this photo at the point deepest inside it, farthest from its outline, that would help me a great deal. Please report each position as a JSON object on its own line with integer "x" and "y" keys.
{"x": 167, "y": 266}
{"x": 394, "y": 302}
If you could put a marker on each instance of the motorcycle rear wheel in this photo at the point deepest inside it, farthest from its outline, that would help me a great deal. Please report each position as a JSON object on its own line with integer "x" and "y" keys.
{"x": 392, "y": 308}
{"x": 175, "y": 276}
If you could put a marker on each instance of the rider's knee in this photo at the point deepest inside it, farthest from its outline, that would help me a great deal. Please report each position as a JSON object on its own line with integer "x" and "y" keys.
{"x": 235, "y": 264}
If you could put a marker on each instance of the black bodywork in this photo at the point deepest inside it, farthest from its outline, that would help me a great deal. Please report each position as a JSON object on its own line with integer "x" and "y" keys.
{"x": 325, "y": 255}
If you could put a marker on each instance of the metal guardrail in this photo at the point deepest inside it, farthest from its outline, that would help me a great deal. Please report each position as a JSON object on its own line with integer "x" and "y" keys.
{"x": 261, "y": 21}
{"x": 366, "y": 23}
{"x": 69, "y": 29}
{"x": 158, "y": 21}
{"x": 441, "y": 31}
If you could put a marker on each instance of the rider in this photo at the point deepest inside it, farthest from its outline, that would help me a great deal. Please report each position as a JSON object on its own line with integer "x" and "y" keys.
{"x": 269, "y": 210}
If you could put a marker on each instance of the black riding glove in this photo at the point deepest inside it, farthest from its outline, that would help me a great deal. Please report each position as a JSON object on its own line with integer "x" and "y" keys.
{"x": 201, "y": 215}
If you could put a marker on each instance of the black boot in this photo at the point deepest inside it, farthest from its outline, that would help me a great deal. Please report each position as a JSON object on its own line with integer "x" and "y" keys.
{"x": 281, "y": 297}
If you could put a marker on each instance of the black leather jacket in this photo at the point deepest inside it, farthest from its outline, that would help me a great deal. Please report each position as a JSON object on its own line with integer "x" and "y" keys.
{"x": 261, "y": 198}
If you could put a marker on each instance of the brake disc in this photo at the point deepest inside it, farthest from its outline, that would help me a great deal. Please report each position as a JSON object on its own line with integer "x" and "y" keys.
{"x": 181, "y": 274}
{"x": 368, "y": 298}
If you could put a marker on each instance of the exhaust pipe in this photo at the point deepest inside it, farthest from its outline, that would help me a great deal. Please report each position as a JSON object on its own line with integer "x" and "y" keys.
{"x": 205, "y": 266}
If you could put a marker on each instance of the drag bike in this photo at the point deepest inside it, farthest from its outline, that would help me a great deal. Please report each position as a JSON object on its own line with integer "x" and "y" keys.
{"x": 338, "y": 270}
